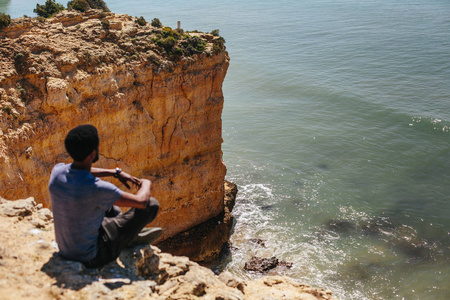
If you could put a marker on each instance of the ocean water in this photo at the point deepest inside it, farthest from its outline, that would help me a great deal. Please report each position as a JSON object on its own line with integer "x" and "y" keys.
{"x": 336, "y": 131}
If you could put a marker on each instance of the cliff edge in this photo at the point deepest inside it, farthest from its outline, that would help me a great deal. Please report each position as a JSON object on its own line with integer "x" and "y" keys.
{"x": 154, "y": 93}
{"x": 30, "y": 268}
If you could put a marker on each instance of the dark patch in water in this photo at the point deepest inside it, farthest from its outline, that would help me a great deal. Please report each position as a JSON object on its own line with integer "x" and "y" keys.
{"x": 323, "y": 166}
{"x": 341, "y": 226}
{"x": 363, "y": 271}
{"x": 259, "y": 242}
{"x": 267, "y": 207}
{"x": 401, "y": 238}
{"x": 377, "y": 226}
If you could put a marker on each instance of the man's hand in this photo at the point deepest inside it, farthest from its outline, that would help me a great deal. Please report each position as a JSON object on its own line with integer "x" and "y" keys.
{"x": 125, "y": 178}
{"x": 138, "y": 200}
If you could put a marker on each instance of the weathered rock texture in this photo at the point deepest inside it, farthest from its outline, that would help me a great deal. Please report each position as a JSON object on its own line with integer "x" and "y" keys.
{"x": 31, "y": 269}
{"x": 158, "y": 111}
{"x": 204, "y": 242}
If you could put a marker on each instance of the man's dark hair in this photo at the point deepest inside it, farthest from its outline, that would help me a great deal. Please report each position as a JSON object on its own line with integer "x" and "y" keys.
{"x": 81, "y": 141}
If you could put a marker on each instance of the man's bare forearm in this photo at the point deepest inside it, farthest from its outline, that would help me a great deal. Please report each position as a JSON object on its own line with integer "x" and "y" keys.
{"x": 124, "y": 177}
{"x": 100, "y": 172}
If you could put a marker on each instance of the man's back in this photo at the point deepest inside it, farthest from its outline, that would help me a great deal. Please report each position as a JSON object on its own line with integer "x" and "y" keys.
{"x": 79, "y": 201}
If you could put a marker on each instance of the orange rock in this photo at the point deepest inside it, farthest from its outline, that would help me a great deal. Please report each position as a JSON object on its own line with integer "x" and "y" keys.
{"x": 158, "y": 115}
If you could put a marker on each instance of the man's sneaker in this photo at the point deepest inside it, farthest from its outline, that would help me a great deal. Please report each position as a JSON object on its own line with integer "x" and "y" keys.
{"x": 147, "y": 236}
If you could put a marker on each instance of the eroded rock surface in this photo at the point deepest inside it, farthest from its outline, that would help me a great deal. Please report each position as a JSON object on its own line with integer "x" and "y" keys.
{"x": 30, "y": 268}
{"x": 204, "y": 242}
{"x": 264, "y": 264}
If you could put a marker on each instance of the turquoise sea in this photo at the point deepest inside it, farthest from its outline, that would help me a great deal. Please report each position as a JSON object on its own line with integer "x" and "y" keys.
{"x": 336, "y": 131}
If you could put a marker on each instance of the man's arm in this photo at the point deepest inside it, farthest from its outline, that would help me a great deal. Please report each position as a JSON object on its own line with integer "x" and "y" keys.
{"x": 123, "y": 176}
{"x": 138, "y": 200}
{"x": 100, "y": 172}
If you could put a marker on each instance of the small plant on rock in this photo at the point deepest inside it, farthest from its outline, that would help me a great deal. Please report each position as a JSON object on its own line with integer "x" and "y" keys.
{"x": 80, "y": 5}
{"x": 20, "y": 60}
{"x": 218, "y": 45}
{"x": 21, "y": 91}
{"x": 141, "y": 21}
{"x": 7, "y": 109}
{"x": 167, "y": 39}
{"x": 49, "y": 9}
{"x": 194, "y": 45}
{"x": 169, "y": 32}
{"x": 105, "y": 24}
{"x": 156, "y": 23}
{"x": 167, "y": 43}
{"x": 5, "y": 20}
{"x": 98, "y": 4}
{"x": 84, "y": 5}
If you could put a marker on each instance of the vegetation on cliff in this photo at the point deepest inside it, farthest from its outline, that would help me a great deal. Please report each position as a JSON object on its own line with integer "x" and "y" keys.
{"x": 49, "y": 9}
{"x": 173, "y": 43}
{"x": 5, "y": 20}
{"x": 84, "y": 5}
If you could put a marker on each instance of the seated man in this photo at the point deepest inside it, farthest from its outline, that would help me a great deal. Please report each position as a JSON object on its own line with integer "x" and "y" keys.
{"x": 88, "y": 228}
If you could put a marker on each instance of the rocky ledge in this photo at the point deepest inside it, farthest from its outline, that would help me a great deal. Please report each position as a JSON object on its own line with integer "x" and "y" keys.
{"x": 30, "y": 268}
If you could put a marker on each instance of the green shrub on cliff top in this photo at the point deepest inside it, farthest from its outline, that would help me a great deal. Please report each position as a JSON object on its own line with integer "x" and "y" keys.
{"x": 156, "y": 23}
{"x": 218, "y": 45}
{"x": 80, "y": 5}
{"x": 169, "y": 32}
{"x": 49, "y": 9}
{"x": 193, "y": 45}
{"x": 5, "y": 20}
{"x": 167, "y": 43}
{"x": 167, "y": 39}
{"x": 141, "y": 21}
{"x": 84, "y": 5}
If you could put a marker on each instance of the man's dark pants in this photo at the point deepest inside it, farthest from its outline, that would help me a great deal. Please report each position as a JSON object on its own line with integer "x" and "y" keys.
{"x": 119, "y": 229}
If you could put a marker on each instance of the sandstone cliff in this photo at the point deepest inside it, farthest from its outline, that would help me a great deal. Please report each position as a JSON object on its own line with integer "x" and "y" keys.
{"x": 30, "y": 269}
{"x": 154, "y": 94}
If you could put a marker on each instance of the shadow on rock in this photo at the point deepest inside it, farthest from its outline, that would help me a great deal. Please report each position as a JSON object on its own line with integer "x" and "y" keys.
{"x": 124, "y": 271}
{"x": 69, "y": 274}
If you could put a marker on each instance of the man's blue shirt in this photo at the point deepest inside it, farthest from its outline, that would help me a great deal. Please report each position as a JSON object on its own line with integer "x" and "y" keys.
{"x": 79, "y": 201}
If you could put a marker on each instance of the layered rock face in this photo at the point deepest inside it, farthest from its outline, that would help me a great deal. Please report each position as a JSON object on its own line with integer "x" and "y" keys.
{"x": 157, "y": 107}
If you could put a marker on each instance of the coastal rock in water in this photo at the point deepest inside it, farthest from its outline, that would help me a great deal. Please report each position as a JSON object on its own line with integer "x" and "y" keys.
{"x": 262, "y": 265}
{"x": 158, "y": 113}
{"x": 258, "y": 242}
{"x": 399, "y": 237}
